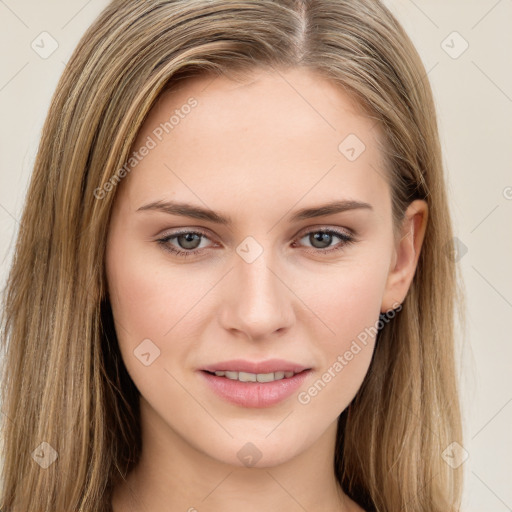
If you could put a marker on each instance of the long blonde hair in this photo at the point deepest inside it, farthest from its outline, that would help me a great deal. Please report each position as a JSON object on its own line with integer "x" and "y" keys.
{"x": 64, "y": 382}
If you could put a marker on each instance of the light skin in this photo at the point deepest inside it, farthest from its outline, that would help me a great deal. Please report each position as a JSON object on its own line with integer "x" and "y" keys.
{"x": 258, "y": 152}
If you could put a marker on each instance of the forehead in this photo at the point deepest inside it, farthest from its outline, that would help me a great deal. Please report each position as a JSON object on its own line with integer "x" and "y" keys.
{"x": 279, "y": 134}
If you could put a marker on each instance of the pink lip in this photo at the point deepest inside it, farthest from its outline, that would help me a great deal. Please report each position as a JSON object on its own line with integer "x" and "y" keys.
{"x": 268, "y": 366}
{"x": 254, "y": 394}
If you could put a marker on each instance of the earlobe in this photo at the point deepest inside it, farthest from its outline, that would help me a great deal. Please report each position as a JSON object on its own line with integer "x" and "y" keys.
{"x": 407, "y": 252}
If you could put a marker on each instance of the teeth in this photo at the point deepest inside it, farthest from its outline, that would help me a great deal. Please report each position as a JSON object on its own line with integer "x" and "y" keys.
{"x": 254, "y": 377}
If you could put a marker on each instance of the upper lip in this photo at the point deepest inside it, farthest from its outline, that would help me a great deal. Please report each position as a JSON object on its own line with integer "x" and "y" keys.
{"x": 268, "y": 366}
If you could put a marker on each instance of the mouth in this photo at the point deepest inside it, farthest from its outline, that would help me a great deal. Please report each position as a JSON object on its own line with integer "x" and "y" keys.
{"x": 254, "y": 390}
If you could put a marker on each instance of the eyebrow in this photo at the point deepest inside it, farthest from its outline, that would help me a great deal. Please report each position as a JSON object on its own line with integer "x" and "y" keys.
{"x": 197, "y": 212}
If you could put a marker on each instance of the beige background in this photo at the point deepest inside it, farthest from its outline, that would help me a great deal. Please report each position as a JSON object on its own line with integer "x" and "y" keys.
{"x": 474, "y": 97}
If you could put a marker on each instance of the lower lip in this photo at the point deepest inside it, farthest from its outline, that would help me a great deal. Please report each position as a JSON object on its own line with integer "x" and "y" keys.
{"x": 254, "y": 394}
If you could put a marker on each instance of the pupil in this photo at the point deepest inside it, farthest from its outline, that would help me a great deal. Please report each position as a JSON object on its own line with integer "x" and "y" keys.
{"x": 189, "y": 239}
{"x": 319, "y": 237}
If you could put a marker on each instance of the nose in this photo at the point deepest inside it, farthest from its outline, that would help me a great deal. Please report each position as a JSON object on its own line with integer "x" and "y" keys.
{"x": 258, "y": 300}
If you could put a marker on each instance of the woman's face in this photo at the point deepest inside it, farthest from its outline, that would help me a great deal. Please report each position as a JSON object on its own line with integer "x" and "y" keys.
{"x": 237, "y": 181}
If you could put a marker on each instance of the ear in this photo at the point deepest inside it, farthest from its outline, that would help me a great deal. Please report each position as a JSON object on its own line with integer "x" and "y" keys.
{"x": 405, "y": 255}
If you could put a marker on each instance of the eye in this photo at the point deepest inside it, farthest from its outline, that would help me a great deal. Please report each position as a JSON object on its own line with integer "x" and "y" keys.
{"x": 322, "y": 238}
{"x": 187, "y": 243}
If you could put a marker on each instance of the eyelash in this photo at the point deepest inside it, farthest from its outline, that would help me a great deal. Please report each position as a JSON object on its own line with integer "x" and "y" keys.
{"x": 346, "y": 240}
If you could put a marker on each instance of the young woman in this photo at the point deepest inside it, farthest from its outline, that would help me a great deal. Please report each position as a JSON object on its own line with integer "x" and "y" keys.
{"x": 232, "y": 287}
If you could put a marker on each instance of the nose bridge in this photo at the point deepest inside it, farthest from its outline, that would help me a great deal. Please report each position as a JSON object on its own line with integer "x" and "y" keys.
{"x": 260, "y": 302}
{"x": 259, "y": 287}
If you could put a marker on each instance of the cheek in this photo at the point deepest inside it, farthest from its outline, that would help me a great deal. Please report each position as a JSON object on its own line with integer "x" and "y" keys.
{"x": 155, "y": 302}
{"x": 151, "y": 300}
{"x": 348, "y": 302}
{"x": 348, "y": 299}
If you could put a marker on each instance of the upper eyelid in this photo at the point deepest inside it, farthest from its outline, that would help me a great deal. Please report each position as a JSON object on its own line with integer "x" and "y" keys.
{"x": 326, "y": 227}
